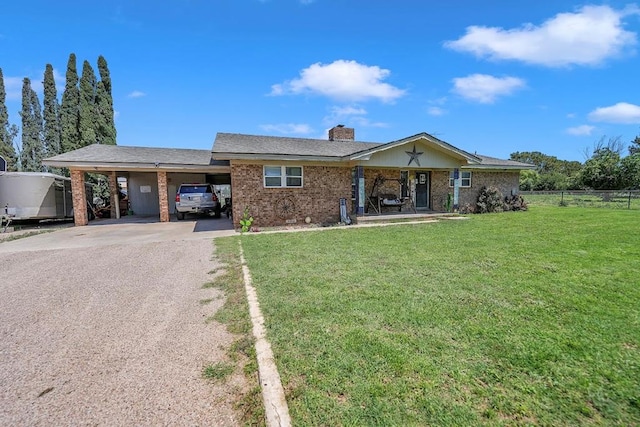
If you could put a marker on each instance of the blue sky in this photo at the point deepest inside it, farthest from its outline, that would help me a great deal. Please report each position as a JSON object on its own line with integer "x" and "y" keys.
{"x": 493, "y": 76}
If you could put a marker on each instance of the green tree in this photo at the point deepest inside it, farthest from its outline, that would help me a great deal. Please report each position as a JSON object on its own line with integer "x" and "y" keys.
{"x": 104, "y": 102}
{"x": 529, "y": 179}
{"x": 603, "y": 171}
{"x": 7, "y": 131}
{"x": 32, "y": 130}
{"x": 51, "y": 116}
{"x": 634, "y": 148}
{"x": 630, "y": 166}
{"x": 551, "y": 172}
{"x": 88, "y": 124}
{"x": 70, "y": 109}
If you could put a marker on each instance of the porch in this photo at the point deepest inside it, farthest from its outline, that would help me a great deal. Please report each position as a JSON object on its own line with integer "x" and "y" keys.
{"x": 404, "y": 216}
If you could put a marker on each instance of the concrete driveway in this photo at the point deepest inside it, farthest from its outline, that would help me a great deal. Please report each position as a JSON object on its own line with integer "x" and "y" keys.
{"x": 105, "y": 325}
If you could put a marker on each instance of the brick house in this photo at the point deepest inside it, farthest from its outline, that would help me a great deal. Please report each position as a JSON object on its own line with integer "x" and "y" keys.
{"x": 290, "y": 180}
{"x": 285, "y": 180}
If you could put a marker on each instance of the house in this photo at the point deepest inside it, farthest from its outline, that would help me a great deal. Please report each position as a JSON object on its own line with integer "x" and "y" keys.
{"x": 283, "y": 180}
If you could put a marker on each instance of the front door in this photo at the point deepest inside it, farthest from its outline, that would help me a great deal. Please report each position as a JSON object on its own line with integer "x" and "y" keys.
{"x": 422, "y": 190}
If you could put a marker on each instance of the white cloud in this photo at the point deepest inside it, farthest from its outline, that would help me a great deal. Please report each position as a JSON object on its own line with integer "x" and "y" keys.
{"x": 363, "y": 122}
{"x": 436, "y": 111}
{"x": 571, "y": 115}
{"x": 348, "y": 111}
{"x": 136, "y": 94}
{"x": 484, "y": 88}
{"x": 13, "y": 87}
{"x": 622, "y": 112}
{"x": 288, "y": 128}
{"x": 581, "y": 130}
{"x": 586, "y": 37}
{"x": 342, "y": 80}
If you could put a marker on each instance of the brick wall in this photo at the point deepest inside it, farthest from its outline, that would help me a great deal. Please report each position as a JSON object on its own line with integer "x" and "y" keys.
{"x": 340, "y": 133}
{"x": 319, "y": 198}
{"x": 113, "y": 193}
{"x": 440, "y": 190}
{"x": 504, "y": 181}
{"x": 79, "y": 198}
{"x": 162, "y": 197}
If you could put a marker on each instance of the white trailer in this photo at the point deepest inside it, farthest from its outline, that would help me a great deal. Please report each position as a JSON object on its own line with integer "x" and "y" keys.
{"x": 36, "y": 196}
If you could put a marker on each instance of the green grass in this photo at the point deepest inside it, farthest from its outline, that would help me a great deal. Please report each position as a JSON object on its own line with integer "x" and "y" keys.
{"x": 218, "y": 371}
{"x": 507, "y": 319}
{"x": 234, "y": 314}
{"x": 17, "y": 236}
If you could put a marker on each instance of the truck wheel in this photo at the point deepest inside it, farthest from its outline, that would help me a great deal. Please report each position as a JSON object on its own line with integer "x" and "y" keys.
{"x": 216, "y": 212}
{"x": 180, "y": 215}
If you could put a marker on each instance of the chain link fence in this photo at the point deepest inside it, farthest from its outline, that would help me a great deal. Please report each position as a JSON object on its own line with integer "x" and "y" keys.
{"x": 608, "y": 199}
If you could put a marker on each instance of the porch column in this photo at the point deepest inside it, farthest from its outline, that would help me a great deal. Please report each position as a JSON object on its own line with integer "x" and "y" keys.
{"x": 114, "y": 195}
{"x": 162, "y": 196}
{"x": 360, "y": 197}
{"x": 79, "y": 197}
{"x": 456, "y": 188}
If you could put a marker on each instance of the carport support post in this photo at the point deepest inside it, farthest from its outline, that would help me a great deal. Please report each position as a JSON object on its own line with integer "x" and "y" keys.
{"x": 162, "y": 196}
{"x": 114, "y": 195}
{"x": 79, "y": 197}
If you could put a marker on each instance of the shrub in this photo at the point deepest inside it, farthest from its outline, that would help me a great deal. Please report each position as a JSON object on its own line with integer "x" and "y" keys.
{"x": 515, "y": 203}
{"x": 490, "y": 199}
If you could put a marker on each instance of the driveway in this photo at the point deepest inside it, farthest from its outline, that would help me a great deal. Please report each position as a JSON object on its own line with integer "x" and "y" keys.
{"x": 104, "y": 325}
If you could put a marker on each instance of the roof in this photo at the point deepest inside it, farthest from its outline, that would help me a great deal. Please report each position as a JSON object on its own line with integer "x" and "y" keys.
{"x": 425, "y": 137}
{"x": 105, "y": 156}
{"x": 487, "y": 162}
{"x": 239, "y": 146}
{"x": 261, "y": 147}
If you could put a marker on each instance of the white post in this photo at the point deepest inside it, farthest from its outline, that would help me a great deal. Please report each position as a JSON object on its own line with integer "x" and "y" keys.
{"x": 456, "y": 188}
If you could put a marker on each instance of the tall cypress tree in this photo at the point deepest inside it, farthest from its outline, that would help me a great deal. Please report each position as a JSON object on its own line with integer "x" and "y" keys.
{"x": 70, "y": 109}
{"x": 6, "y": 131}
{"x": 32, "y": 142}
{"x": 88, "y": 110}
{"x": 51, "y": 115}
{"x": 104, "y": 103}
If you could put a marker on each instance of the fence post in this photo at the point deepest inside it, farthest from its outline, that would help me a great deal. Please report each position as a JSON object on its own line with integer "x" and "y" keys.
{"x": 629, "y": 201}
{"x": 561, "y": 198}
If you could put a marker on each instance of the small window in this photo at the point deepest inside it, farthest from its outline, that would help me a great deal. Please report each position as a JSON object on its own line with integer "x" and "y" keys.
{"x": 283, "y": 176}
{"x": 465, "y": 179}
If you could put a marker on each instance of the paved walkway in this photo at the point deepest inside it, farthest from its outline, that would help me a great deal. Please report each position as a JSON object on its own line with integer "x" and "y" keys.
{"x": 103, "y": 325}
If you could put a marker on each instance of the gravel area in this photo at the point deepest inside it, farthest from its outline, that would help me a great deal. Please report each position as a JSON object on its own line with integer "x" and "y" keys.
{"x": 112, "y": 335}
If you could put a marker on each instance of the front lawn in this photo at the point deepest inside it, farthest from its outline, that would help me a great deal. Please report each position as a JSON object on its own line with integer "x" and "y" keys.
{"x": 504, "y": 319}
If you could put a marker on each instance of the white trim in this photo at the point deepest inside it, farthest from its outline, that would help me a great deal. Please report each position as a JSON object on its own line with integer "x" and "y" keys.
{"x": 283, "y": 176}
{"x": 462, "y": 179}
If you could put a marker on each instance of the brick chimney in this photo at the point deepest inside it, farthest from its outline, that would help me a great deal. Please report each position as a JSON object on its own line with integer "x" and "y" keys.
{"x": 341, "y": 133}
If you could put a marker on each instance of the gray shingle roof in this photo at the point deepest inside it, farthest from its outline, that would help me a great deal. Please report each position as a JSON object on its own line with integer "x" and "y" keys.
{"x": 487, "y": 161}
{"x": 233, "y": 143}
{"x": 97, "y": 153}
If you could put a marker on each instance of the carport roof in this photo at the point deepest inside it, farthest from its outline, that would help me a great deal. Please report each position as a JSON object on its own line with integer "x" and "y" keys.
{"x": 114, "y": 157}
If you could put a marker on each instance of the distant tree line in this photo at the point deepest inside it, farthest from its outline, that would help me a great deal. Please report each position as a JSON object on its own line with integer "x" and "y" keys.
{"x": 84, "y": 117}
{"x": 606, "y": 168}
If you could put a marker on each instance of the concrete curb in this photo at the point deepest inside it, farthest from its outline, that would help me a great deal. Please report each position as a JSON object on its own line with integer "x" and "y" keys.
{"x": 275, "y": 404}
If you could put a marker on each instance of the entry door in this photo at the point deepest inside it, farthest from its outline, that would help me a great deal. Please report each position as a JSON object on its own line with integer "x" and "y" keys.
{"x": 422, "y": 190}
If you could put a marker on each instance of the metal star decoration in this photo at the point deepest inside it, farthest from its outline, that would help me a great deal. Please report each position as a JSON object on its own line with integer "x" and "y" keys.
{"x": 414, "y": 156}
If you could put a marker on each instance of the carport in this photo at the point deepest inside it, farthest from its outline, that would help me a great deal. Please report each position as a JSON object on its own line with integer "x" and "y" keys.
{"x": 153, "y": 175}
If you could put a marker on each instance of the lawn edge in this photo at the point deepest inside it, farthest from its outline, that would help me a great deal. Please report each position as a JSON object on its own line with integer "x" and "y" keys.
{"x": 275, "y": 403}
